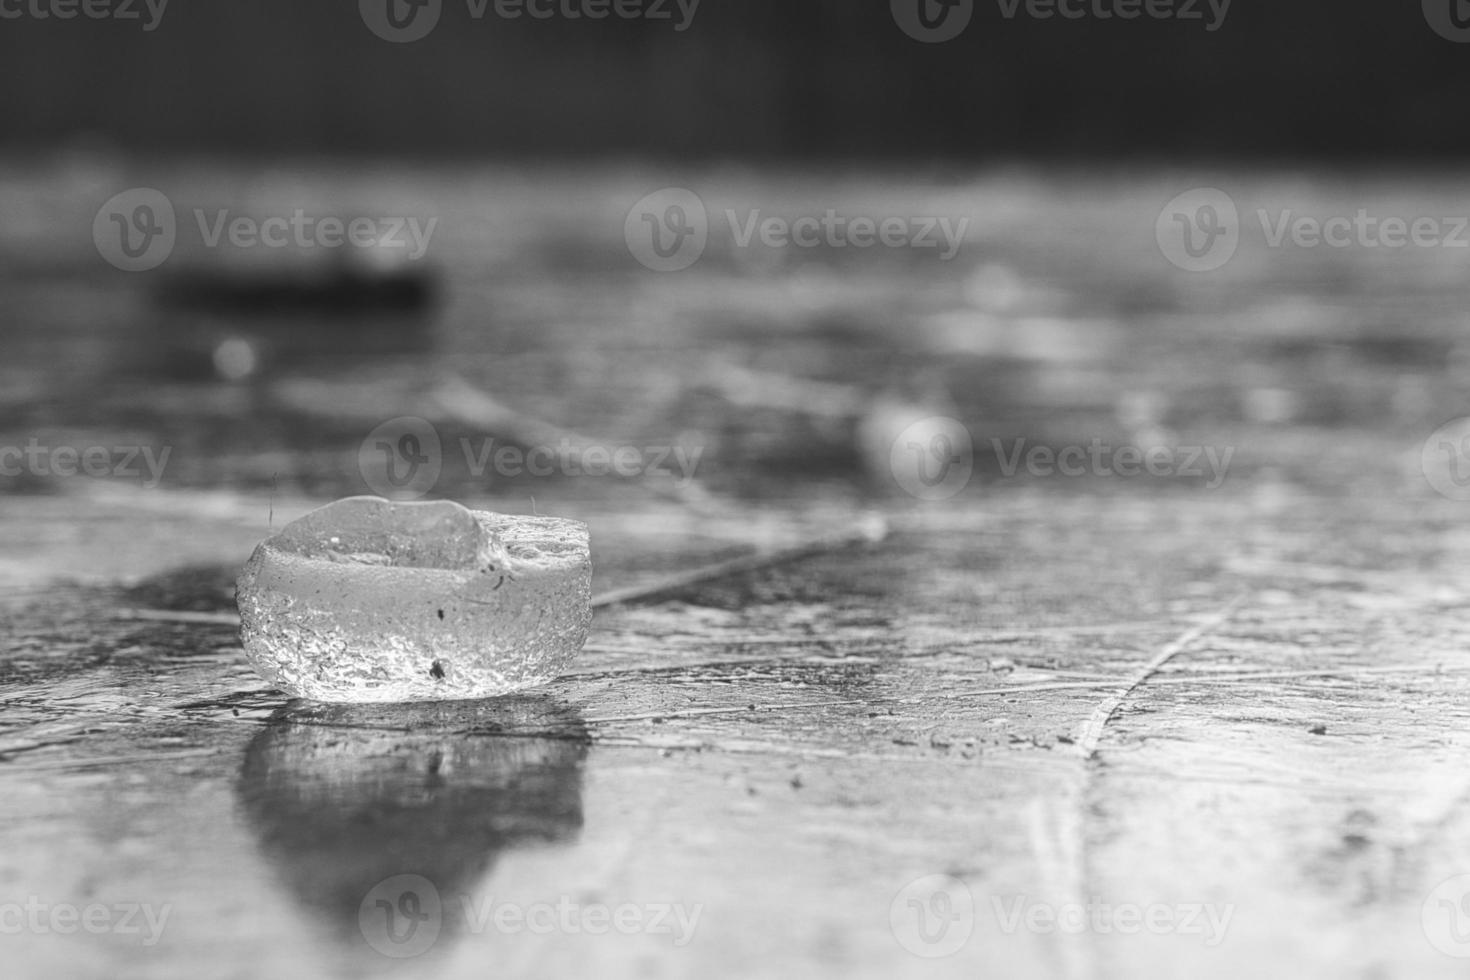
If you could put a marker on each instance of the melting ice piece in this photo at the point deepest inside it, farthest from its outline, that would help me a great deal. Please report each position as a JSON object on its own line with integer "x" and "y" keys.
{"x": 369, "y": 600}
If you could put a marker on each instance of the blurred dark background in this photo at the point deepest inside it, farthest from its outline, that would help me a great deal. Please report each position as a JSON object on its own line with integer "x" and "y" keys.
{"x": 1310, "y": 79}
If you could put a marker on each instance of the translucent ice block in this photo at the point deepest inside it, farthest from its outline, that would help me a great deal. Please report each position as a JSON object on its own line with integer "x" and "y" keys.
{"x": 369, "y": 600}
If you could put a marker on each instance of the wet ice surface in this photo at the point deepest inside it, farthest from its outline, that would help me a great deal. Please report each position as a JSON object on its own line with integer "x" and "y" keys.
{"x": 926, "y": 692}
{"x": 367, "y": 600}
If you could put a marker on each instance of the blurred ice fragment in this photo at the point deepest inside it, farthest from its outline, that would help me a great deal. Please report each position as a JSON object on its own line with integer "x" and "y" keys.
{"x": 1270, "y": 406}
{"x": 1037, "y": 339}
{"x": 1141, "y": 408}
{"x": 890, "y": 417}
{"x": 235, "y": 359}
{"x": 995, "y": 288}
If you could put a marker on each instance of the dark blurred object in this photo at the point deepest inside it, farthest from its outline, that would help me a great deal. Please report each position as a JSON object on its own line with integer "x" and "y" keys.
{"x": 340, "y": 289}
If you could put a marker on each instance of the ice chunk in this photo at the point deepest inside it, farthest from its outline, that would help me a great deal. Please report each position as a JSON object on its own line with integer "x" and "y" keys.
{"x": 369, "y": 600}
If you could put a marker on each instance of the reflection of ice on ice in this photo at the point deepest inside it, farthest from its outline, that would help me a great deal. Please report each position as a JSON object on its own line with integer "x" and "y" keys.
{"x": 367, "y": 600}
{"x": 344, "y": 797}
